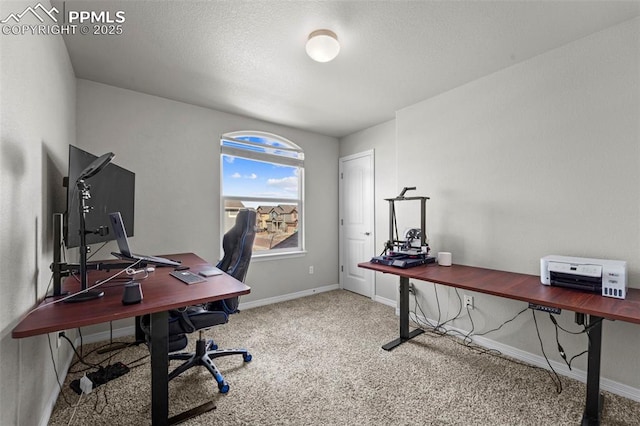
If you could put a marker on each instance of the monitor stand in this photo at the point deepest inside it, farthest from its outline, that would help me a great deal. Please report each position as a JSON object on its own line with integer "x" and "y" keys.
{"x": 85, "y": 295}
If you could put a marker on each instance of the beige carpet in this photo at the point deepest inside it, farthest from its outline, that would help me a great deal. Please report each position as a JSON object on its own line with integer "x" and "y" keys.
{"x": 318, "y": 361}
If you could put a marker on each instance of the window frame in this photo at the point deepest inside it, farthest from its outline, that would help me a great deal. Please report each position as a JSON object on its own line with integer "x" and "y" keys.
{"x": 270, "y": 158}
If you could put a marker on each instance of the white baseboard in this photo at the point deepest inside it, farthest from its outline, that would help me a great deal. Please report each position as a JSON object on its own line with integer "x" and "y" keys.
{"x": 539, "y": 361}
{"x": 385, "y": 301}
{"x": 285, "y": 297}
{"x": 63, "y": 369}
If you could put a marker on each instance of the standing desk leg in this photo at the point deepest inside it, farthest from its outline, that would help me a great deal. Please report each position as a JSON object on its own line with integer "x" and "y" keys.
{"x": 593, "y": 408}
{"x": 159, "y": 369}
{"x": 139, "y": 334}
{"x": 404, "y": 318}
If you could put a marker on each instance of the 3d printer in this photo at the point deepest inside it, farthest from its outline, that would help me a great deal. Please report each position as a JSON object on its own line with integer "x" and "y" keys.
{"x": 411, "y": 251}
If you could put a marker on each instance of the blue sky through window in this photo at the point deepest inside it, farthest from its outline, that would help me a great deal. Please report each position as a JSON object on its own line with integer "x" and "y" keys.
{"x": 244, "y": 177}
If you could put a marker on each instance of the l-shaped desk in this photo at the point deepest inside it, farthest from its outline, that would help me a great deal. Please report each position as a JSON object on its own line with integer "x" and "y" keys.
{"x": 162, "y": 293}
{"x": 526, "y": 288}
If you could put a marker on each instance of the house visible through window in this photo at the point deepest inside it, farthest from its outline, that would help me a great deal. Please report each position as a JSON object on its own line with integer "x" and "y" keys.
{"x": 264, "y": 172}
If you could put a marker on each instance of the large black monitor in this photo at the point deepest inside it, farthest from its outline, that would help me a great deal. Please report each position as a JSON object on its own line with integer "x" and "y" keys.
{"x": 112, "y": 190}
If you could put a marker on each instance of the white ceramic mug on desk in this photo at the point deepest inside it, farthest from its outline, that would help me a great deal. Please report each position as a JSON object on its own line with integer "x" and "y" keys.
{"x": 444, "y": 258}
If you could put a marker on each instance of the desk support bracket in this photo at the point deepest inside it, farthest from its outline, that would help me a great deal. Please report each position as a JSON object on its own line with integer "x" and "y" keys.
{"x": 405, "y": 334}
{"x": 595, "y": 400}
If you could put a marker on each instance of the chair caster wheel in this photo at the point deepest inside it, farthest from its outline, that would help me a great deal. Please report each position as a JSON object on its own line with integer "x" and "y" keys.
{"x": 247, "y": 357}
{"x": 223, "y": 388}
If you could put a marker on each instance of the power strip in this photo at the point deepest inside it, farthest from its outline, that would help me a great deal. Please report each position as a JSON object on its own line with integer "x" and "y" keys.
{"x": 99, "y": 377}
{"x": 86, "y": 385}
{"x": 543, "y": 308}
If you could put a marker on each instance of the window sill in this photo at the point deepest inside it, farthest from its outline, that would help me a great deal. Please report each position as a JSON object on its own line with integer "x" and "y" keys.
{"x": 263, "y": 257}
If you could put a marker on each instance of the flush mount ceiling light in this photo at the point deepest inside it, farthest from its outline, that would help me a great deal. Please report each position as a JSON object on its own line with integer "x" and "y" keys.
{"x": 323, "y": 45}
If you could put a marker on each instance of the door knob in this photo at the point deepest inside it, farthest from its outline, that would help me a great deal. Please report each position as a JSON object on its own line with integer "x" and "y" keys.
{"x": 367, "y": 233}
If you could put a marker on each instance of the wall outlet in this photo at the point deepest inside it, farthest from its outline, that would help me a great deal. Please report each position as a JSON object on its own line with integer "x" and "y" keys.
{"x": 60, "y": 335}
{"x": 468, "y": 301}
{"x": 311, "y": 270}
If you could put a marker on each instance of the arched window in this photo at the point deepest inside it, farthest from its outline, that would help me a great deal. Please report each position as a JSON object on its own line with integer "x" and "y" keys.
{"x": 265, "y": 172}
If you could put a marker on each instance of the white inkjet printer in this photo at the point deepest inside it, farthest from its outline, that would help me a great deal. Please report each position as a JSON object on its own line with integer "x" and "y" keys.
{"x": 608, "y": 277}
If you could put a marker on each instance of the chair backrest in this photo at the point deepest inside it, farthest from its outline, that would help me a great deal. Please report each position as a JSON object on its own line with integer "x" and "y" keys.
{"x": 237, "y": 244}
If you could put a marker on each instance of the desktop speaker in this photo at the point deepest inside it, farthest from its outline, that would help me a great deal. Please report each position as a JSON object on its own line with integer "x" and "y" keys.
{"x": 132, "y": 293}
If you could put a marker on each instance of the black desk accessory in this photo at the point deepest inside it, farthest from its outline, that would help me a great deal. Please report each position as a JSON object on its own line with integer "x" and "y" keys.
{"x": 187, "y": 277}
{"x": 132, "y": 293}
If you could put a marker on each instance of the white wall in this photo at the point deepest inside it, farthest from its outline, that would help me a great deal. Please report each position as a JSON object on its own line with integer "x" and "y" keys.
{"x": 545, "y": 153}
{"x": 37, "y": 122}
{"x": 381, "y": 139}
{"x": 540, "y": 158}
{"x": 173, "y": 148}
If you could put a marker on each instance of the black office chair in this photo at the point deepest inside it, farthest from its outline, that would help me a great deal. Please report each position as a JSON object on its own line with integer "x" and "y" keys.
{"x": 237, "y": 245}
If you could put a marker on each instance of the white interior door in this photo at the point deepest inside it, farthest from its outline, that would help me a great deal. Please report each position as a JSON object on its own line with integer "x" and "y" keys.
{"x": 357, "y": 222}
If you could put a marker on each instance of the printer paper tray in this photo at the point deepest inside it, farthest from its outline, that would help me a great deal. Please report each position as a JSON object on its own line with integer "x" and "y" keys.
{"x": 577, "y": 282}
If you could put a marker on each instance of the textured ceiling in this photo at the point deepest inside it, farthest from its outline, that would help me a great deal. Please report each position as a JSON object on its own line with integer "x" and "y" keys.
{"x": 248, "y": 57}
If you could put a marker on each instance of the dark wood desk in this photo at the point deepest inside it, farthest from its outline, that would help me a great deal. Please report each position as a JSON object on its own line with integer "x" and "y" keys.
{"x": 526, "y": 288}
{"x": 161, "y": 292}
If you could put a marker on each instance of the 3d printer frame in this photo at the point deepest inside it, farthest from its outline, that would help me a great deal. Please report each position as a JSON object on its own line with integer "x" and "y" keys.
{"x": 392, "y": 243}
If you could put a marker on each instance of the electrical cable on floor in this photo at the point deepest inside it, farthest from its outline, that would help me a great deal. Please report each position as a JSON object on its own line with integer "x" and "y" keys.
{"x": 576, "y": 356}
{"x": 55, "y": 370}
{"x": 456, "y": 316}
{"x": 423, "y": 317}
{"x": 438, "y": 328}
{"x": 74, "y": 409}
{"x": 437, "y": 332}
{"x": 482, "y": 349}
{"x": 133, "y": 364}
{"x": 79, "y": 356}
{"x": 81, "y": 341}
{"x": 100, "y": 405}
{"x": 467, "y": 339}
{"x": 503, "y": 324}
{"x": 560, "y": 349}
{"x": 435, "y": 291}
{"x": 557, "y": 377}
{"x": 584, "y": 330}
{"x": 106, "y": 400}
{"x": 114, "y": 346}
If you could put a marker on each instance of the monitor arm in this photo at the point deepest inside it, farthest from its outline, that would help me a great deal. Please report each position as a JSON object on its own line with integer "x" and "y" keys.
{"x": 63, "y": 269}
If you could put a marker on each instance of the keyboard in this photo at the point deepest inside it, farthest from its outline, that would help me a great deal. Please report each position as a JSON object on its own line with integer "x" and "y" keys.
{"x": 187, "y": 277}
